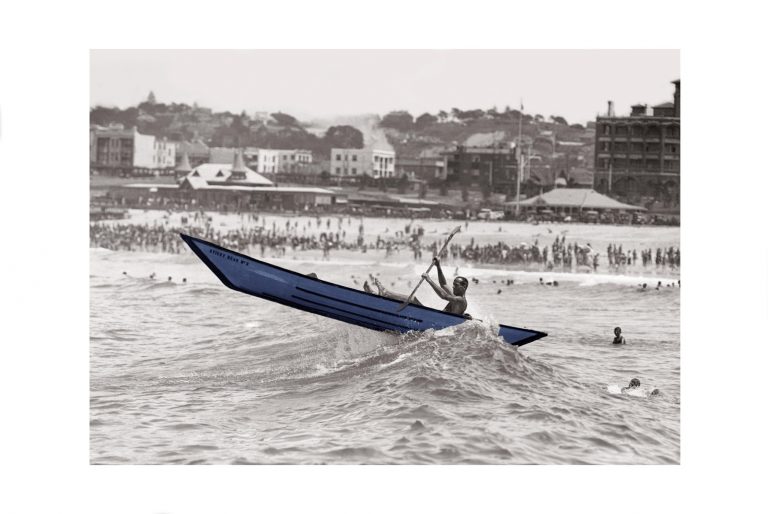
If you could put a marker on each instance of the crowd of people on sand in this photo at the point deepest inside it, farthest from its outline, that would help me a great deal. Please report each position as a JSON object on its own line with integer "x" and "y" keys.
{"x": 338, "y": 233}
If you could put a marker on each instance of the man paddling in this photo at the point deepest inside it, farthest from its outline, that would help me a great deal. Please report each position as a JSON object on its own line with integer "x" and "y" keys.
{"x": 457, "y": 303}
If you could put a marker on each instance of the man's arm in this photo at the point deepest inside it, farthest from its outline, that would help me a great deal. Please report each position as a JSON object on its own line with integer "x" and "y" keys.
{"x": 442, "y": 293}
{"x": 440, "y": 276}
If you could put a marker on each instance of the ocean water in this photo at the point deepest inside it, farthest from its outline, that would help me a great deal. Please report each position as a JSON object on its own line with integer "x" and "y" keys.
{"x": 196, "y": 373}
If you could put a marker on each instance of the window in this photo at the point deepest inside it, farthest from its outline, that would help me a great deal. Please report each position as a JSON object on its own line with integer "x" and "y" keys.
{"x": 338, "y": 157}
{"x": 338, "y": 171}
{"x": 354, "y": 171}
{"x": 673, "y": 131}
{"x": 606, "y": 130}
{"x": 354, "y": 157}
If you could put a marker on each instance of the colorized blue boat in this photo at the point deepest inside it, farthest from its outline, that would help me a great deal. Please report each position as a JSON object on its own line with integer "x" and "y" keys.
{"x": 264, "y": 280}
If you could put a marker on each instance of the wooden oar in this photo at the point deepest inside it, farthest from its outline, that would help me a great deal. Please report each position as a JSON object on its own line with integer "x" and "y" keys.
{"x": 439, "y": 254}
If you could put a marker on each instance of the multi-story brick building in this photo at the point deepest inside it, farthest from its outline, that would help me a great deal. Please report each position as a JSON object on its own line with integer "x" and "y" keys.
{"x": 428, "y": 169}
{"x": 494, "y": 168}
{"x": 351, "y": 162}
{"x": 638, "y": 156}
{"x": 116, "y": 150}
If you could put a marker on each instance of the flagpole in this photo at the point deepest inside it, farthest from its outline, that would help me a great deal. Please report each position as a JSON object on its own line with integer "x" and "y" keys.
{"x": 519, "y": 152}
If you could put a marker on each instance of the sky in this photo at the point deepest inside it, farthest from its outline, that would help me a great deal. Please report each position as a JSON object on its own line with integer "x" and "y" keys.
{"x": 574, "y": 84}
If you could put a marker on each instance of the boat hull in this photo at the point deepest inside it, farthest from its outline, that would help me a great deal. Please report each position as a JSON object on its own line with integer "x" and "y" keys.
{"x": 270, "y": 282}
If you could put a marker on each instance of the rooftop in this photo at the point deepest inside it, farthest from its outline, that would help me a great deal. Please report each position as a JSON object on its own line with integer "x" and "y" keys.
{"x": 579, "y": 198}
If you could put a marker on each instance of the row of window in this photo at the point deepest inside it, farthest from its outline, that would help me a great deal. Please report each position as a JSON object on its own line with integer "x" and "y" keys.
{"x": 638, "y": 164}
{"x": 636, "y": 147}
{"x": 353, "y": 171}
{"x": 639, "y": 130}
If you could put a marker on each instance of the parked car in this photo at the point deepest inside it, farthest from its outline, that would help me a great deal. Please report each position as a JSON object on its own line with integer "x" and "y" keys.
{"x": 488, "y": 214}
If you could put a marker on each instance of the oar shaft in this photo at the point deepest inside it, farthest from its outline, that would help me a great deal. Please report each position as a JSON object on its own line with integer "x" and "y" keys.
{"x": 439, "y": 254}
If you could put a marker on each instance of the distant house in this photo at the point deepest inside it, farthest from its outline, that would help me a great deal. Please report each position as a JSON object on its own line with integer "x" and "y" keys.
{"x": 115, "y": 150}
{"x": 350, "y": 162}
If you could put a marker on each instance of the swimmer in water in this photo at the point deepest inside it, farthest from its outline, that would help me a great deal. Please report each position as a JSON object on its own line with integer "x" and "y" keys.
{"x": 618, "y": 339}
{"x": 633, "y": 384}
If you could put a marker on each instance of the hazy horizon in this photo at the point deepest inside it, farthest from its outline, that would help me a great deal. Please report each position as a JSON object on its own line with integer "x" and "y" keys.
{"x": 316, "y": 84}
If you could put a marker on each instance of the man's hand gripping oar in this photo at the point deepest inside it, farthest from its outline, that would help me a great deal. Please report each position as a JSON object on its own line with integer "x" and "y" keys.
{"x": 439, "y": 255}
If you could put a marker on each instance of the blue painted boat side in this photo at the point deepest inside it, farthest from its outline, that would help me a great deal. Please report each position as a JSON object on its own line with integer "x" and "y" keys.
{"x": 258, "y": 278}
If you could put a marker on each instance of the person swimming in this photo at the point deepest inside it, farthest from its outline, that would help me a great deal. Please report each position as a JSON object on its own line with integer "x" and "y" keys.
{"x": 618, "y": 339}
{"x": 633, "y": 384}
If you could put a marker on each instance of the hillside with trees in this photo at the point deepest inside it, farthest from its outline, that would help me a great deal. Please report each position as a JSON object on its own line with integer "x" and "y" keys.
{"x": 182, "y": 122}
{"x": 409, "y": 135}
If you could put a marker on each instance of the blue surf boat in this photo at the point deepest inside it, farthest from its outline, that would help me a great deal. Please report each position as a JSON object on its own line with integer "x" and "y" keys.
{"x": 270, "y": 282}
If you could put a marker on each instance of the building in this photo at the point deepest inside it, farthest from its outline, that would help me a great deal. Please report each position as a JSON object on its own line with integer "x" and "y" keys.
{"x": 115, "y": 150}
{"x": 638, "y": 156}
{"x": 294, "y": 161}
{"x": 493, "y": 167}
{"x": 264, "y": 160}
{"x": 429, "y": 169}
{"x": 227, "y": 186}
{"x": 563, "y": 201}
{"x": 351, "y": 162}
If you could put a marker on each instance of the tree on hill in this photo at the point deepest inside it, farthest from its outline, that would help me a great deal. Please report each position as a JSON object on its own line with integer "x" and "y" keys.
{"x": 343, "y": 136}
{"x": 399, "y": 120}
{"x": 284, "y": 119}
{"x": 107, "y": 115}
{"x": 425, "y": 120}
{"x": 471, "y": 115}
{"x": 442, "y": 116}
{"x": 559, "y": 120}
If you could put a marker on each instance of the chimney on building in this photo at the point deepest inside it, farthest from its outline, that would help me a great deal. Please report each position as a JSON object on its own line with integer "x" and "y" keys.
{"x": 610, "y": 108}
{"x": 677, "y": 97}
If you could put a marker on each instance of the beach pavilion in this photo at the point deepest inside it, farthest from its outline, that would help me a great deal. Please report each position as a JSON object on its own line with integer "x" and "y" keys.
{"x": 575, "y": 202}
{"x": 232, "y": 186}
